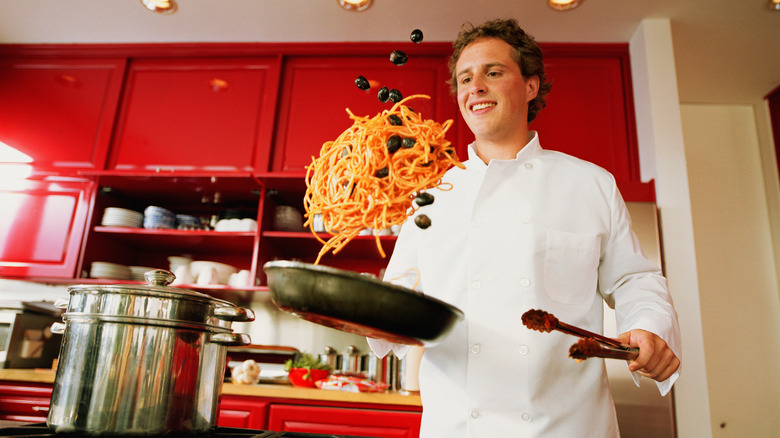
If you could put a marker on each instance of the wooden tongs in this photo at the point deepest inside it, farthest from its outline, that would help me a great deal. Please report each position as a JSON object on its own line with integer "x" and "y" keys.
{"x": 591, "y": 344}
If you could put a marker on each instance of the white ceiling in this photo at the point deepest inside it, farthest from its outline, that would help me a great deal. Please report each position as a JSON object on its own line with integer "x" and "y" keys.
{"x": 726, "y": 51}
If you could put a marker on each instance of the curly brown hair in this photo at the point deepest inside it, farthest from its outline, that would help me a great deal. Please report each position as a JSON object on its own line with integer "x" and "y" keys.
{"x": 527, "y": 54}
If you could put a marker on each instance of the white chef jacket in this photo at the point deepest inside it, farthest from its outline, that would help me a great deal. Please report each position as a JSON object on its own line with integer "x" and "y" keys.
{"x": 543, "y": 231}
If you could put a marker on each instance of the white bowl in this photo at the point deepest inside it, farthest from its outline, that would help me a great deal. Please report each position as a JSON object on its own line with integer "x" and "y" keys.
{"x": 223, "y": 270}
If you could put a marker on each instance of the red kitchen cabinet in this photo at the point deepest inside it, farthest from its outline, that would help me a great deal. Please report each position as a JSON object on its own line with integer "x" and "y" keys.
{"x": 317, "y": 90}
{"x": 28, "y": 402}
{"x": 344, "y": 421}
{"x": 42, "y": 225}
{"x": 590, "y": 110}
{"x": 243, "y": 412}
{"x": 212, "y": 115}
{"x": 57, "y": 114}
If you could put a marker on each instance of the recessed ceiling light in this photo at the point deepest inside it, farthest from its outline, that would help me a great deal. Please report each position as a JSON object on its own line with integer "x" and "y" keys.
{"x": 160, "y": 6}
{"x": 355, "y": 5}
{"x": 564, "y": 5}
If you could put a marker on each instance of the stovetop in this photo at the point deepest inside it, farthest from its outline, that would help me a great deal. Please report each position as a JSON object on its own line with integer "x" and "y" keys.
{"x": 41, "y": 430}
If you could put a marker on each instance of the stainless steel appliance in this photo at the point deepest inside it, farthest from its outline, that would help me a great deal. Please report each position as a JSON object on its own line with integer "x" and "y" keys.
{"x": 26, "y": 339}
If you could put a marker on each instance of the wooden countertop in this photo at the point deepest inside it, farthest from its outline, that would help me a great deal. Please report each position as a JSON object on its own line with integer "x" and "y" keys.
{"x": 262, "y": 390}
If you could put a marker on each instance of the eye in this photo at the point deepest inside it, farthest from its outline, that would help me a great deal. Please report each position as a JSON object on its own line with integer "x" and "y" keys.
{"x": 494, "y": 73}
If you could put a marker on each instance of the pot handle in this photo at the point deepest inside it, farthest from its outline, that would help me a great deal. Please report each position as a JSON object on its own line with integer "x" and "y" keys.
{"x": 57, "y": 328}
{"x": 231, "y": 339}
{"x": 234, "y": 314}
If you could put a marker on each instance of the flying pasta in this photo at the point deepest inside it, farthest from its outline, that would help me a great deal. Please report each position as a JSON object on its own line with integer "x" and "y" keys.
{"x": 369, "y": 176}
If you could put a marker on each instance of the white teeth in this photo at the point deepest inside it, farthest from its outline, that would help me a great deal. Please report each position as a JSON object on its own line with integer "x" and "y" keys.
{"x": 480, "y": 106}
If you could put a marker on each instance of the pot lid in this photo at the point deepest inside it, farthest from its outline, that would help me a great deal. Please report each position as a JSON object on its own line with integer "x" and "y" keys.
{"x": 157, "y": 284}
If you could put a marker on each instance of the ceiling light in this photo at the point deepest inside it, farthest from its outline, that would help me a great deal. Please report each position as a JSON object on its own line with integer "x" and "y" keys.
{"x": 355, "y": 5}
{"x": 774, "y": 5}
{"x": 160, "y": 6}
{"x": 564, "y": 5}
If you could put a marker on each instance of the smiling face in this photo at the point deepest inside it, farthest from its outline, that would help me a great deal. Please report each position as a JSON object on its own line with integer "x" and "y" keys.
{"x": 493, "y": 95}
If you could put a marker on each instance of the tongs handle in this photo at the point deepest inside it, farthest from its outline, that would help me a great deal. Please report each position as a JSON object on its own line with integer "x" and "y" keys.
{"x": 576, "y": 331}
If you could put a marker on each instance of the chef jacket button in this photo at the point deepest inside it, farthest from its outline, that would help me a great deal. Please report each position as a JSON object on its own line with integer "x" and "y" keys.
{"x": 476, "y": 223}
{"x": 523, "y": 349}
{"x": 476, "y": 284}
{"x": 476, "y": 348}
{"x": 526, "y": 417}
{"x": 529, "y": 165}
{"x": 474, "y": 413}
{"x": 525, "y": 219}
{"x": 525, "y": 282}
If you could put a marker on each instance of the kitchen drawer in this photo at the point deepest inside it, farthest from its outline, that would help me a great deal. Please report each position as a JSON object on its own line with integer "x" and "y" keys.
{"x": 24, "y": 402}
{"x": 243, "y": 412}
{"x": 344, "y": 421}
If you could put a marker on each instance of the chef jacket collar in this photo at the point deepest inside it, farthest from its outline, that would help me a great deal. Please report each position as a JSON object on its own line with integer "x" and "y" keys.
{"x": 531, "y": 149}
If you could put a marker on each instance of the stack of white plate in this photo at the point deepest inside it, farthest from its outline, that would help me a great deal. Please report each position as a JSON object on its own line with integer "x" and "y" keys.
{"x": 110, "y": 270}
{"x": 137, "y": 272}
{"x": 122, "y": 217}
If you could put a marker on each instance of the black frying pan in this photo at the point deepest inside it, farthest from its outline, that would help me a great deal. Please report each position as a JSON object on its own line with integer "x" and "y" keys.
{"x": 359, "y": 303}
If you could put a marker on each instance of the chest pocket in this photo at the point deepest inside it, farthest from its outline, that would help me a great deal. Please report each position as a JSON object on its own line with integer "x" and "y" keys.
{"x": 571, "y": 264}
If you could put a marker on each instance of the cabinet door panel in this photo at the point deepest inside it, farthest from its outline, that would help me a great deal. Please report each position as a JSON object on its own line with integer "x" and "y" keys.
{"x": 59, "y": 113}
{"x": 316, "y": 92}
{"x": 193, "y": 115}
{"x": 344, "y": 421}
{"x": 42, "y": 226}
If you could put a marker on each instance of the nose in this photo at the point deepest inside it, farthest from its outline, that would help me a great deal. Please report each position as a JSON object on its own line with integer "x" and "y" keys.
{"x": 477, "y": 86}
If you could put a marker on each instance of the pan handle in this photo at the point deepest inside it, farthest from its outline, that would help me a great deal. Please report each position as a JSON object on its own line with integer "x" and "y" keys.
{"x": 231, "y": 339}
{"x": 234, "y": 314}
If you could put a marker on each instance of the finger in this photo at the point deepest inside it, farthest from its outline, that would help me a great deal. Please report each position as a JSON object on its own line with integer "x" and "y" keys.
{"x": 666, "y": 366}
{"x": 641, "y": 362}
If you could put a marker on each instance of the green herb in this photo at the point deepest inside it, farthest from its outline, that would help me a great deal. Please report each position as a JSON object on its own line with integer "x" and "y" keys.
{"x": 307, "y": 361}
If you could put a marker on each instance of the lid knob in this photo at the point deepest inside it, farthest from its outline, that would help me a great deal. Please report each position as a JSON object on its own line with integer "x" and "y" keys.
{"x": 159, "y": 277}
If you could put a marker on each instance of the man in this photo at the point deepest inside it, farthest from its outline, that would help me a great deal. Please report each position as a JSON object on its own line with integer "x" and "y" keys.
{"x": 524, "y": 228}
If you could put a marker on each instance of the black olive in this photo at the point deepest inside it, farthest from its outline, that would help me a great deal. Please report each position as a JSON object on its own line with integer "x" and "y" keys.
{"x": 398, "y": 57}
{"x": 362, "y": 83}
{"x": 395, "y": 95}
{"x": 395, "y": 120}
{"x": 409, "y": 142}
{"x": 423, "y": 198}
{"x": 382, "y": 173}
{"x": 422, "y": 221}
{"x": 416, "y": 36}
{"x": 393, "y": 143}
{"x": 383, "y": 94}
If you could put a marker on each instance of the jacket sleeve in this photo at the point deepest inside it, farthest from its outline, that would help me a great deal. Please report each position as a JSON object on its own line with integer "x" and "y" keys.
{"x": 635, "y": 286}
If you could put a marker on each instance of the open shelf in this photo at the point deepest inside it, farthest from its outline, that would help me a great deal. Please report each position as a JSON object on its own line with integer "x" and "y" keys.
{"x": 183, "y": 240}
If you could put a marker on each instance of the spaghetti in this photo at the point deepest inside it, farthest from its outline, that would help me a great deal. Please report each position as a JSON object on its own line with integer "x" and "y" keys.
{"x": 369, "y": 176}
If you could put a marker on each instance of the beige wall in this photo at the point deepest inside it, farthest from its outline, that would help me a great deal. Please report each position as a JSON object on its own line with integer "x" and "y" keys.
{"x": 719, "y": 204}
{"x": 735, "y": 261}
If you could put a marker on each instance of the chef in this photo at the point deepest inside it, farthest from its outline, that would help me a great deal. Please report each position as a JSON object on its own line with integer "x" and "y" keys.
{"x": 526, "y": 228}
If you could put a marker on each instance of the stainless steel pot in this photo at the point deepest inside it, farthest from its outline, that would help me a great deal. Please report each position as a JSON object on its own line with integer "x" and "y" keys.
{"x": 142, "y": 359}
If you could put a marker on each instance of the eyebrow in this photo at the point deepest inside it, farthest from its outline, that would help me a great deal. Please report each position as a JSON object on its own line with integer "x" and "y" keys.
{"x": 487, "y": 66}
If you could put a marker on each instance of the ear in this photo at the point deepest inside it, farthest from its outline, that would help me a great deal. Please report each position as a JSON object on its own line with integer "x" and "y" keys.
{"x": 531, "y": 87}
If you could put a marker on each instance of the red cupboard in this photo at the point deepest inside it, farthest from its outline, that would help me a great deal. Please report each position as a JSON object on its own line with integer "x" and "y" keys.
{"x": 256, "y": 112}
